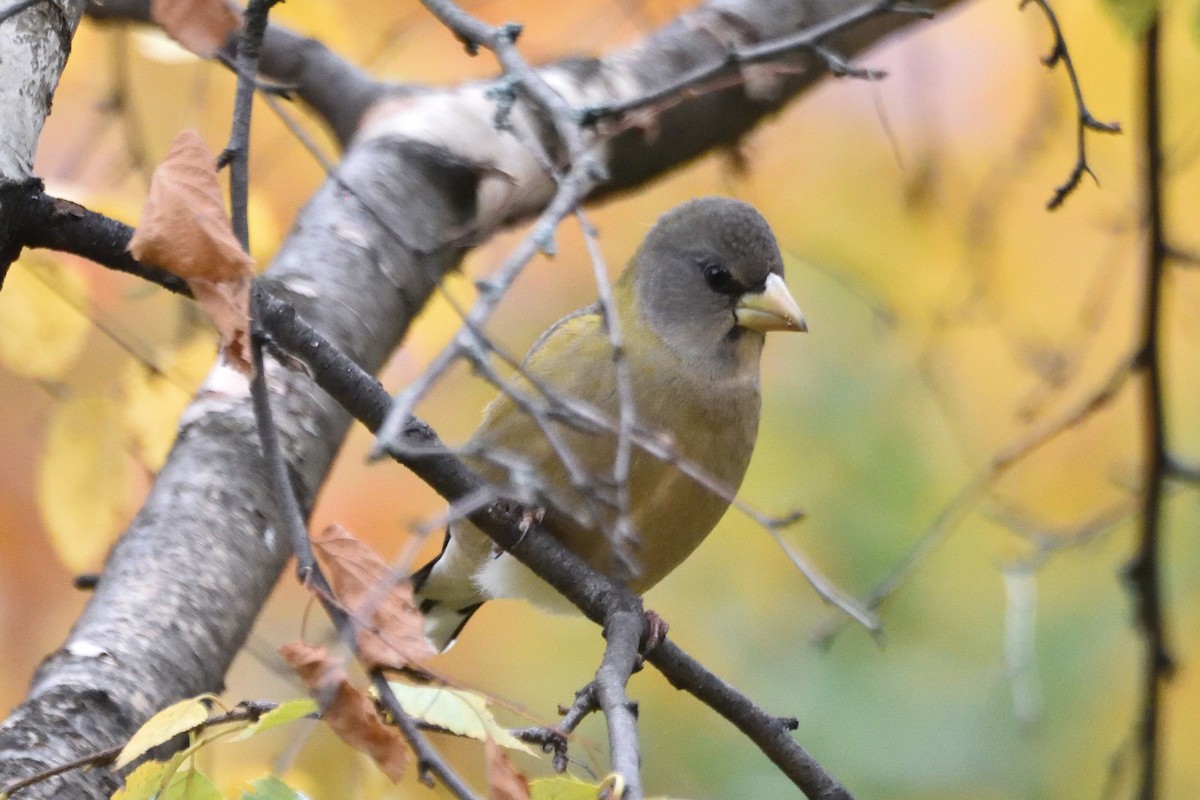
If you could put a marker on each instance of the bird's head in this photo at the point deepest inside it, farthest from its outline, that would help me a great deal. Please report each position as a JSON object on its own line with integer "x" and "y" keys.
{"x": 708, "y": 280}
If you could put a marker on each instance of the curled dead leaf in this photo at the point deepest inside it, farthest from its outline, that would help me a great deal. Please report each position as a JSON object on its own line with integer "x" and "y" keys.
{"x": 185, "y": 230}
{"x": 348, "y": 712}
{"x": 389, "y": 629}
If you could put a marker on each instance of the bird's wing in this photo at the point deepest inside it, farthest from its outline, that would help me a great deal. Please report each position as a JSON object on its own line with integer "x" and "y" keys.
{"x": 572, "y": 476}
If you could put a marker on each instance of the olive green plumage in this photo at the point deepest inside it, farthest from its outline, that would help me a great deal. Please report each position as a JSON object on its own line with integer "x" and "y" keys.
{"x": 694, "y": 304}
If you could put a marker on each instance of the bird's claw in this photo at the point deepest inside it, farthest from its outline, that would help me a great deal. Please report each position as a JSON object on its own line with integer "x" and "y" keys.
{"x": 656, "y": 632}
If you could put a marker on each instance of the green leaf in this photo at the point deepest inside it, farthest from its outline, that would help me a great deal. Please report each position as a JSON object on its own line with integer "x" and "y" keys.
{"x": 269, "y": 787}
{"x": 282, "y": 714}
{"x": 191, "y": 784}
{"x": 455, "y": 710}
{"x": 164, "y": 726}
{"x": 1134, "y": 16}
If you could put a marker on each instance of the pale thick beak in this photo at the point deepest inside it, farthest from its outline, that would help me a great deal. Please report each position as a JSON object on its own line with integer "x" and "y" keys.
{"x": 772, "y": 309}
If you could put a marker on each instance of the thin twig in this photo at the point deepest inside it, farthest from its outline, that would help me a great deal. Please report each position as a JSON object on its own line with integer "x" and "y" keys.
{"x": 1143, "y": 571}
{"x": 583, "y": 172}
{"x": 810, "y": 39}
{"x": 1060, "y": 53}
{"x": 623, "y": 535}
{"x": 501, "y": 41}
{"x": 570, "y": 193}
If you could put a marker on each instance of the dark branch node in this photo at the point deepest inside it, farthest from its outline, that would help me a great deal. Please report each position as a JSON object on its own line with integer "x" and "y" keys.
{"x": 86, "y": 582}
{"x": 509, "y": 32}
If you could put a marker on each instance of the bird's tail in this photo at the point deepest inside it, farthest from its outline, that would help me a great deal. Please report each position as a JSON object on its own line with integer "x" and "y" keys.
{"x": 446, "y": 605}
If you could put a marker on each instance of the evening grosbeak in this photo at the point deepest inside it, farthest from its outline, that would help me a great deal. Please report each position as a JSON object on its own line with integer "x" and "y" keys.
{"x": 694, "y": 305}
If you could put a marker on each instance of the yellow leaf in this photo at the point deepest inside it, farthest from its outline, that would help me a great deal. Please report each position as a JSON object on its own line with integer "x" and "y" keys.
{"x": 566, "y": 787}
{"x": 154, "y": 400}
{"x": 164, "y": 726}
{"x": 143, "y": 783}
{"x": 454, "y": 710}
{"x": 563, "y": 788}
{"x": 148, "y": 779}
{"x": 42, "y": 326}
{"x": 85, "y": 480}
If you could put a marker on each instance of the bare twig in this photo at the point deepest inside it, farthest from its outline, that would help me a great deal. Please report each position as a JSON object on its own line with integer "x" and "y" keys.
{"x": 571, "y": 192}
{"x": 1143, "y": 571}
{"x": 1059, "y": 53}
{"x": 554, "y": 739}
{"x": 502, "y": 40}
{"x": 810, "y": 39}
{"x": 623, "y": 536}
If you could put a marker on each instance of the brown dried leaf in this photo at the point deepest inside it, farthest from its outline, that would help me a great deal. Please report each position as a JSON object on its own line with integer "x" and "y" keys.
{"x": 504, "y": 782}
{"x": 228, "y": 305}
{"x": 389, "y": 630}
{"x": 199, "y": 25}
{"x": 348, "y": 712}
{"x": 185, "y": 231}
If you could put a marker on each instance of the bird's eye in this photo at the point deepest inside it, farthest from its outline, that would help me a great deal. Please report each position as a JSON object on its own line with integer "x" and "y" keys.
{"x": 719, "y": 279}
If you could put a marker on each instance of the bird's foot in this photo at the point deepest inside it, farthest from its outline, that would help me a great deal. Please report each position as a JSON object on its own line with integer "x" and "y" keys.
{"x": 656, "y": 631}
{"x": 531, "y": 517}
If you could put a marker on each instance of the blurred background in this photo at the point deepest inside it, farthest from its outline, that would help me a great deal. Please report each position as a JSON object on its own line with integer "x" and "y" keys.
{"x": 950, "y": 316}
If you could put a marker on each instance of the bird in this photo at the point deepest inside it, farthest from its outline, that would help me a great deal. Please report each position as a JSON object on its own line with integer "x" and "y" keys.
{"x": 693, "y": 305}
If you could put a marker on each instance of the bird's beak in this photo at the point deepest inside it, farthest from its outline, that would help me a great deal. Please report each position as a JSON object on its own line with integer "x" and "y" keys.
{"x": 772, "y": 309}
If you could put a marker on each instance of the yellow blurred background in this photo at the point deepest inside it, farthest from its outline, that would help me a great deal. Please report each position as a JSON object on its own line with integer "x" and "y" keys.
{"x": 950, "y": 314}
